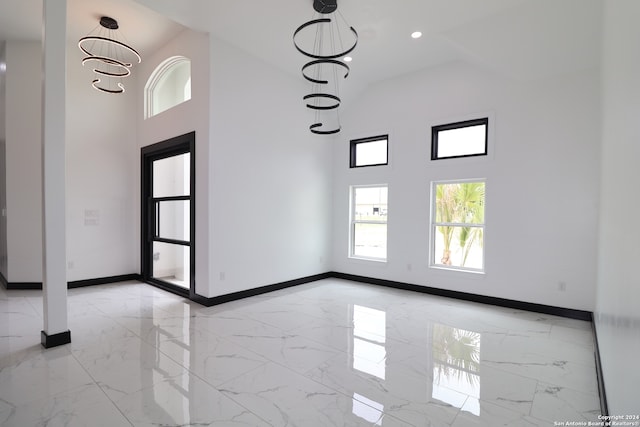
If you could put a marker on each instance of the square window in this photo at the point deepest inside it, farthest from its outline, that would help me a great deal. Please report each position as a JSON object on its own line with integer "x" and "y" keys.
{"x": 369, "y": 151}
{"x": 457, "y": 225}
{"x": 461, "y": 139}
{"x": 369, "y": 222}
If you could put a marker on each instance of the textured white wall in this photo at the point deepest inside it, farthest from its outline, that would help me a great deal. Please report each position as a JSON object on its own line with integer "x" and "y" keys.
{"x": 541, "y": 180}
{"x": 618, "y": 293}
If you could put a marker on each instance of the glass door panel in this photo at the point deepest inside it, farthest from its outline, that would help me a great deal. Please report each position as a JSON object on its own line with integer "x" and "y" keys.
{"x": 171, "y": 263}
{"x": 173, "y": 219}
{"x": 167, "y": 214}
{"x": 171, "y": 176}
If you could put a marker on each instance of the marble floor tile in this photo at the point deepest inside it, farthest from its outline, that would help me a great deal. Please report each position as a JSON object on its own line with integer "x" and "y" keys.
{"x": 214, "y": 359}
{"x": 294, "y": 351}
{"x": 83, "y": 406}
{"x": 40, "y": 375}
{"x": 185, "y": 400}
{"x": 285, "y": 398}
{"x": 553, "y": 403}
{"x": 328, "y": 353}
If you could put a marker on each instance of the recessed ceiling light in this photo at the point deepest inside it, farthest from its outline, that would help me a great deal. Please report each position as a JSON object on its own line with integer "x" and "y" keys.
{"x": 416, "y": 34}
{"x": 348, "y": 59}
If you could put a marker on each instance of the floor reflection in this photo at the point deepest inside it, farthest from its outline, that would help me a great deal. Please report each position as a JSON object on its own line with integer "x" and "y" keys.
{"x": 175, "y": 400}
{"x": 456, "y": 367}
{"x": 367, "y": 409}
{"x": 369, "y": 337}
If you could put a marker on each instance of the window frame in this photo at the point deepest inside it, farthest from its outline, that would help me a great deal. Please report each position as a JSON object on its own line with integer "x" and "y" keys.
{"x": 156, "y": 77}
{"x": 435, "y": 130}
{"x": 355, "y": 142}
{"x": 353, "y": 221}
{"x": 433, "y": 225}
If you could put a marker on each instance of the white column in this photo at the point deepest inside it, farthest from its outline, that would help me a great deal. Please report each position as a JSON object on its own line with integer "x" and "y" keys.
{"x": 54, "y": 254}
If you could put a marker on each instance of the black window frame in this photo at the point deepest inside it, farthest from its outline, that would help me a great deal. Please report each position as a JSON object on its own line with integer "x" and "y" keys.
{"x": 435, "y": 130}
{"x": 352, "y": 150}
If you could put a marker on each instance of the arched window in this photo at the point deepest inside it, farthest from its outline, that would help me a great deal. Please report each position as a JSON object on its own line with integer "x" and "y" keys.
{"x": 168, "y": 86}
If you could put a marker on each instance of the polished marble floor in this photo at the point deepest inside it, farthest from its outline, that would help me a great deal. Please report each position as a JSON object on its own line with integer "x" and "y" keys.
{"x": 329, "y": 353}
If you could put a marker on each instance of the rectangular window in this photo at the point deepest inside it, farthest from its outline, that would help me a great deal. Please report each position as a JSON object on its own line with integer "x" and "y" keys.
{"x": 369, "y": 151}
{"x": 457, "y": 225}
{"x": 461, "y": 139}
{"x": 369, "y": 222}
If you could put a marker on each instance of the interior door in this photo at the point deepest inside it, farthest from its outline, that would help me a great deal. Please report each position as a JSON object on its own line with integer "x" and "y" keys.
{"x": 168, "y": 220}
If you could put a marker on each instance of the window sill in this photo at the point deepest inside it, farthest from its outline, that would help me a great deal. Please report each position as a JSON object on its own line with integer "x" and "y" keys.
{"x": 458, "y": 270}
{"x": 360, "y": 258}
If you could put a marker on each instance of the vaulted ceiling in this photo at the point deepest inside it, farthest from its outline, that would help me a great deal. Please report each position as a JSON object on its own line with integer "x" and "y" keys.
{"x": 521, "y": 39}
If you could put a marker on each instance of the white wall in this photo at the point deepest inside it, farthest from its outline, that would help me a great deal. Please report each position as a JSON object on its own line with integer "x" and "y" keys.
{"x": 23, "y": 151}
{"x": 102, "y": 184}
{"x": 541, "y": 180}
{"x": 192, "y": 115}
{"x": 618, "y": 290}
{"x": 270, "y": 177}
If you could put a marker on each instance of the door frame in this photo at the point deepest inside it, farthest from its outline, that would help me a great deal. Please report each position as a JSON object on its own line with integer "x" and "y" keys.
{"x": 168, "y": 148}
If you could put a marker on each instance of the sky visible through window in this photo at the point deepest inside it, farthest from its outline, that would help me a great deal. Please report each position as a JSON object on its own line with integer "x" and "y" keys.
{"x": 371, "y": 153}
{"x": 462, "y": 141}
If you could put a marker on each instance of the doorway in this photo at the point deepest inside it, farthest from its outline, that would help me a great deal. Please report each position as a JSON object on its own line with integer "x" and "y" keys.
{"x": 168, "y": 214}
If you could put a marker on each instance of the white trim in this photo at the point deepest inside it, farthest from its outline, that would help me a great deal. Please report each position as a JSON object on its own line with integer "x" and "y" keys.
{"x": 154, "y": 79}
{"x": 433, "y": 227}
{"x": 353, "y": 222}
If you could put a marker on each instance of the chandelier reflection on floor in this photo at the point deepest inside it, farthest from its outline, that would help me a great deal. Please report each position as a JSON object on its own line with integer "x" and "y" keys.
{"x": 112, "y": 59}
{"x": 321, "y": 39}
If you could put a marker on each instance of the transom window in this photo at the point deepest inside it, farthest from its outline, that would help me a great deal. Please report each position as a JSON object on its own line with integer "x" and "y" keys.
{"x": 369, "y": 151}
{"x": 168, "y": 85}
{"x": 369, "y": 222}
{"x": 457, "y": 225}
{"x": 461, "y": 139}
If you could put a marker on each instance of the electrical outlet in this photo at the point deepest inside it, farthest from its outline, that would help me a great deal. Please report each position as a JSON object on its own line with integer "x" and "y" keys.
{"x": 222, "y": 275}
{"x": 562, "y": 286}
{"x": 409, "y": 267}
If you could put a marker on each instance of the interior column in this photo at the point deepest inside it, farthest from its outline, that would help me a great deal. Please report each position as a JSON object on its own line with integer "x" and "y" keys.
{"x": 54, "y": 254}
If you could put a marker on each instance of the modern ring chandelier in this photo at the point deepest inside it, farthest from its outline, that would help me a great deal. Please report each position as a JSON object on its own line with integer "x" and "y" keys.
{"x": 321, "y": 39}
{"x": 111, "y": 58}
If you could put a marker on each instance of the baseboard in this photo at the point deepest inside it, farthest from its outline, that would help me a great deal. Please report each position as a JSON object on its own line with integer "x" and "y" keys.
{"x": 54, "y": 340}
{"x": 258, "y": 291}
{"x": 75, "y": 283}
{"x": 500, "y": 302}
{"x": 103, "y": 280}
{"x": 24, "y": 285}
{"x": 604, "y": 406}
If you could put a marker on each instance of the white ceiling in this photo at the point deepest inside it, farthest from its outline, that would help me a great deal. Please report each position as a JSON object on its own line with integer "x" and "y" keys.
{"x": 521, "y": 39}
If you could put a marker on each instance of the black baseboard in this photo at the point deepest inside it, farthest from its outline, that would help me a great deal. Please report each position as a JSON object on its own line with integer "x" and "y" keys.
{"x": 75, "y": 283}
{"x": 604, "y": 406}
{"x": 24, "y": 285}
{"x": 501, "y": 302}
{"x": 103, "y": 280}
{"x": 258, "y": 291}
{"x": 55, "y": 340}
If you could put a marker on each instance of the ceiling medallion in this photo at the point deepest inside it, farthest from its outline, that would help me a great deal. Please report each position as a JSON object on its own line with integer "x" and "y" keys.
{"x": 321, "y": 39}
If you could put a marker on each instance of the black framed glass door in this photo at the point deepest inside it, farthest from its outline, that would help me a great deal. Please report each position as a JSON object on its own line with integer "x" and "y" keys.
{"x": 168, "y": 214}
